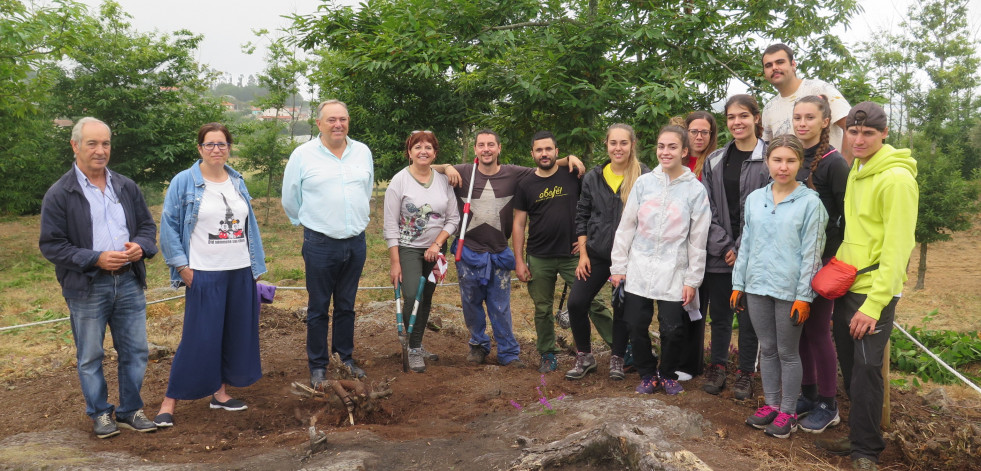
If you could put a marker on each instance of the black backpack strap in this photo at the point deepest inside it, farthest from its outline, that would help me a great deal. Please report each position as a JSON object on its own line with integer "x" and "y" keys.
{"x": 867, "y": 269}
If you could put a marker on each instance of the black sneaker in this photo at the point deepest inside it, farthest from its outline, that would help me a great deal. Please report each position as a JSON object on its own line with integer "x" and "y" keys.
{"x": 137, "y": 421}
{"x": 231, "y": 404}
{"x": 104, "y": 427}
{"x": 355, "y": 370}
{"x": 164, "y": 420}
{"x": 742, "y": 389}
{"x": 715, "y": 379}
{"x": 477, "y": 354}
{"x": 318, "y": 377}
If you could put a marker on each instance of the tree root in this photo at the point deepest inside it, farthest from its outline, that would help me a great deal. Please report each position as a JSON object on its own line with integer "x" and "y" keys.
{"x": 349, "y": 393}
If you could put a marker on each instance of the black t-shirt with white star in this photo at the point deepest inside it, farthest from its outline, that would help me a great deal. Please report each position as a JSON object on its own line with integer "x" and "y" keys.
{"x": 492, "y": 206}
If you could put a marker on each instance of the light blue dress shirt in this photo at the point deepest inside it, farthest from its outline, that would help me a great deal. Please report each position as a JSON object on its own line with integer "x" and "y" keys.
{"x": 328, "y": 194}
{"x": 109, "y": 231}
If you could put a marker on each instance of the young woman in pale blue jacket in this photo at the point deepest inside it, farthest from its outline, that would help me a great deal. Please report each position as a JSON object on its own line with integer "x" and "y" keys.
{"x": 659, "y": 252}
{"x": 783, "y": 237}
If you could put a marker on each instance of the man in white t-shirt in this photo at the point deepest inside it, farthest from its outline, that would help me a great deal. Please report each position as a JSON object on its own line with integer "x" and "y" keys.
{"x": 780, "y": 70}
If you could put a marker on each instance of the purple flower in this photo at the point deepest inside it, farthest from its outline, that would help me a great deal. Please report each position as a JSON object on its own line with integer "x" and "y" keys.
{"x": 515, "y": 404}
{"x": 545, "y": 403}
{"x": 561, "y": 397}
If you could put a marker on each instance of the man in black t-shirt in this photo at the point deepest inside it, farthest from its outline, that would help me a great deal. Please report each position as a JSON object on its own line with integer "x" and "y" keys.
{"x": 548, "y": 197}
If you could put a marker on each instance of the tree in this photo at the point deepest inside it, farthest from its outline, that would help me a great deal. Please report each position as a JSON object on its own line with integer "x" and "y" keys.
{"x": 935, "y": 118}
{"x": 148, "y": 88}
{"x": 270, "y": 142}
{"x": 32, "y": 39}
{"x": 518, "y": 66}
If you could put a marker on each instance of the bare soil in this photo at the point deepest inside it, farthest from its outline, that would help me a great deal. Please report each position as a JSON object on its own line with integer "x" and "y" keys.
{"x": 453, "y": 416}
{"x": 442, "y": 419}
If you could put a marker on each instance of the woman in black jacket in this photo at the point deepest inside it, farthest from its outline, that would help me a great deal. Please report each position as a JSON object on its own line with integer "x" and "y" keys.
{"x": 604, "y": 190}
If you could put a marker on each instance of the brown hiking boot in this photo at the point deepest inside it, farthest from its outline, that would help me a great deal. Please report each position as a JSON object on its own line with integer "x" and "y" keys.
{"x": 715, "y": 379}
{"x": 742, "y": 389}
{"x": 836, "y": 446}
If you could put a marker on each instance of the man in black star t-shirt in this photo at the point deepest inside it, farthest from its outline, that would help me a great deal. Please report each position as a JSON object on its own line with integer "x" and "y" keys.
{"x": 549, "y": 198}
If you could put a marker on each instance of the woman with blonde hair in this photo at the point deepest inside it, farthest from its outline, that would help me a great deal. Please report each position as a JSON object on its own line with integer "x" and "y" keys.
{"x": 605, "y": 189}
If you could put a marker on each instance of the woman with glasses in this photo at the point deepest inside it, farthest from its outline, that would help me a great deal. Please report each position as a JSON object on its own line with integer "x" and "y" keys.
{"x": 210, "y": 239}
{"x": 420, "y": 214}
{"x": 703, "y": 135}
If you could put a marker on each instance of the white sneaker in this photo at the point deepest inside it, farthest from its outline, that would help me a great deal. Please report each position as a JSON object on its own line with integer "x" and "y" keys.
{"x": 682, "y": 376}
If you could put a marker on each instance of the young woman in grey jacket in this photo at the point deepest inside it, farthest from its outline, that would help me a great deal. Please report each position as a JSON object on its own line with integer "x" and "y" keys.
{"x": 730, "y": 175}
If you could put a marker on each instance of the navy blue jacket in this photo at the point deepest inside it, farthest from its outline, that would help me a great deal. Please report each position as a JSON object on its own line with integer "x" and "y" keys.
{"x": 66, "y": 231}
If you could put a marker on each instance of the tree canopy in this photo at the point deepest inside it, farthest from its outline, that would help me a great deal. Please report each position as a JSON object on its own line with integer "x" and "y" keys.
{"x": 573, "y": 67}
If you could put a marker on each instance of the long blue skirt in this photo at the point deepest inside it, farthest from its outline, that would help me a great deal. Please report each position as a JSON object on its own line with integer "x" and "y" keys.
{"x": 220, "y": 341}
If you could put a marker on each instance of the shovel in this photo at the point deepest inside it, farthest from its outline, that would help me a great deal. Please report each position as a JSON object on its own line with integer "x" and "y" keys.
{"x": 398, "y": 322}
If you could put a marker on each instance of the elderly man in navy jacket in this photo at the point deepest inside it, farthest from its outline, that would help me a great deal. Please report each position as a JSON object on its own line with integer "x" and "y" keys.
{"x": 97, "y": 230}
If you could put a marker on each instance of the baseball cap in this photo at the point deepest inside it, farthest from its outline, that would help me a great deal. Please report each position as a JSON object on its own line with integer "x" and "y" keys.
{"x": 868, "y": 114}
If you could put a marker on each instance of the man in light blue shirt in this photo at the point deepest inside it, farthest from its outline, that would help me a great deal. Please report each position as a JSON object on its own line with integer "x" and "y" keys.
{"x": 326, "y": 189}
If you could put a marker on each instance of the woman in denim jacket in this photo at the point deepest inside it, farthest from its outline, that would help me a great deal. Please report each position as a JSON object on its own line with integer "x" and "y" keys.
{"x": 210, "y": 240}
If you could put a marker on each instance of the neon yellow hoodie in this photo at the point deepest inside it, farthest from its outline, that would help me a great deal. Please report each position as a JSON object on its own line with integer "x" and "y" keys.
{"x": 880, "y": 217}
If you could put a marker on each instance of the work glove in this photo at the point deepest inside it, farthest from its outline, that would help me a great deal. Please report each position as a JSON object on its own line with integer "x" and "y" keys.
{"x": 800, "y": 312}
{"x": 736, "y": 301}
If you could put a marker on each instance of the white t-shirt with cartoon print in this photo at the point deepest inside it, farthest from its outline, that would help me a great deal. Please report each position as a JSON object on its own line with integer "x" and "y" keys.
{"x": 218, "y": 241}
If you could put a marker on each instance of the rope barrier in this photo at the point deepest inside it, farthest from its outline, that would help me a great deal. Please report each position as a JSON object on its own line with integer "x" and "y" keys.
{"x": 49, "y": 321}
{"x": 938, "y": 360}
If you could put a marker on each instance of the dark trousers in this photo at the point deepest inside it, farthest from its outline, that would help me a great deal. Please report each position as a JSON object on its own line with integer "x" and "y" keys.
{"x": 693, "y": 360}
{"x": 861, "y": 368}
{"x": 719, "y": 288}
{"x": 581, "y": 296}
{"x": 220, "y": 341}
{"x": 333, "y": 269}
{"x": 413, "y": 263}
{"x": 673, "y": 320}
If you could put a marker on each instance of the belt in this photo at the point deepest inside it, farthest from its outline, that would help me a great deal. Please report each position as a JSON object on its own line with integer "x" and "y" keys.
{"x": 120, "y": 271}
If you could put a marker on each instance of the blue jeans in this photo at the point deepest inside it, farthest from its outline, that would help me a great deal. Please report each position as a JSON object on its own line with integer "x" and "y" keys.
{"x": 119, "y": 302}
{"x": 497, "y": 295}
{"x": 333, "y": 269}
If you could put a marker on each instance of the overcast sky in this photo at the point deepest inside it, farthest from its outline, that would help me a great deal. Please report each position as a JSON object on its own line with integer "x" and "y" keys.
{"x": 227, "y": 25}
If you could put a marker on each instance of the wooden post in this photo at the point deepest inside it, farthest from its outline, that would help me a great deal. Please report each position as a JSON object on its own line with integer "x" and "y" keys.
{"x": 885, "y": 384}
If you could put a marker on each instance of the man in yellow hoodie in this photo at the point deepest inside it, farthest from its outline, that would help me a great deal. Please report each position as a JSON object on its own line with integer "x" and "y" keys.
{"x": 880, "y": 212}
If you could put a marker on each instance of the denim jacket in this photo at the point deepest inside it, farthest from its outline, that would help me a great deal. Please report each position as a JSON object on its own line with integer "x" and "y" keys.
{"x": 180, "y": 214}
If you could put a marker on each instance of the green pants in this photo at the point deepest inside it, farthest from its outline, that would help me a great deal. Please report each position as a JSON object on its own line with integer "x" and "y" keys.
{"x": 542, "y": 290}
{"x": 414, "y": 265}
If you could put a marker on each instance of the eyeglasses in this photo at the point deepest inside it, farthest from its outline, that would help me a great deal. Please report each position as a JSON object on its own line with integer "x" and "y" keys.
{"x": 426, "y": 131}
{"x": 211, "y": 145}
{"x": 699, "y": 132}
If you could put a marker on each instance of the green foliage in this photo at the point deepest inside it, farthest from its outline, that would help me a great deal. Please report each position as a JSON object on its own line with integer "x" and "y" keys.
{"x": 947, "y": 201}
{"x": 519, "y": 66}
{"x": 147, "y": 87}
{"x": 33, "y": 38}
{"x": 956, "y": 349}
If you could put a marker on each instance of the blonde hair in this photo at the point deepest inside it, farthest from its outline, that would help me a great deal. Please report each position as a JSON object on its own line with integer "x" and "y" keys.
{"x": 632, "y": 172}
